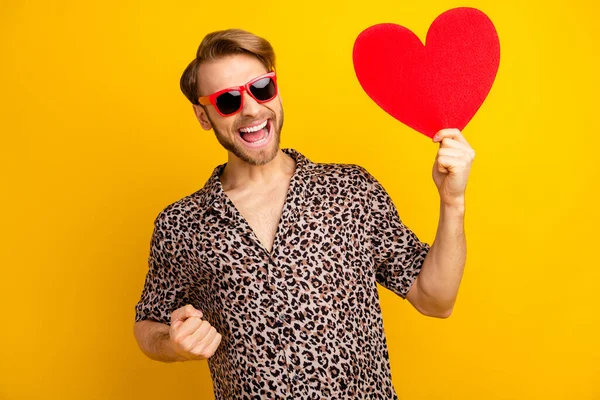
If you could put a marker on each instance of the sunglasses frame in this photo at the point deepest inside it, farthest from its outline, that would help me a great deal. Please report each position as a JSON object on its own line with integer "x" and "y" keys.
{"x": 212, "y": 98}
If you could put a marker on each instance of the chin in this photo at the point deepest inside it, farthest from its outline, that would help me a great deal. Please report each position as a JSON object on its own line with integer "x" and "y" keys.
{"x": 256, "y": 157}
{"x": 262, "y": 157}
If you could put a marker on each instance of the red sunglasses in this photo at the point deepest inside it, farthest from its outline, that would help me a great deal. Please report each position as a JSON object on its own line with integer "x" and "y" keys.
{"x": 231, "y": 100}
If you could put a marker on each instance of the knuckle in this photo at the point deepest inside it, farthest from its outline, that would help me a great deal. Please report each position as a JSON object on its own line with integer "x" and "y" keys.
{"x": 188, "y": 346}
{"x": 198, "y": 350}
{"x": 200, "y": 332}
{"x": 208, "y": 352}
{"x": 178, "y": 338}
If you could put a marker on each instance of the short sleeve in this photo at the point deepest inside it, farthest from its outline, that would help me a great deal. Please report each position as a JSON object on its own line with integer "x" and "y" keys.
{"x": 164, "y": 289}
{"x": 397, "y": 252}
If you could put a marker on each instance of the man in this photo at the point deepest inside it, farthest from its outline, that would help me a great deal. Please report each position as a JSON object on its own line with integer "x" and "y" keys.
{"x": 270, "y": 270}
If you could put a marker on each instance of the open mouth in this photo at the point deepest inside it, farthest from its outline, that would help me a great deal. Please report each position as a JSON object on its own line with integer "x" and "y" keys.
{"x": 256, "y": 135}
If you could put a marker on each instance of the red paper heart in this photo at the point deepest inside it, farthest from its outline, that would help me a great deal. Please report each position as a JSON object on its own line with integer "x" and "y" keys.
{"x": 439, "y": 85}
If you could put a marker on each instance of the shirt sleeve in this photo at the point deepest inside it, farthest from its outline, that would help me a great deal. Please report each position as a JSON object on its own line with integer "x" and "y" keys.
{"x": 397, "y": 252}
{"x": 164, "y": 287}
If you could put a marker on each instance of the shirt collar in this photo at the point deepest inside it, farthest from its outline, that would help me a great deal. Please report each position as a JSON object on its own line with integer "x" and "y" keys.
{"x": 214, "y": 198}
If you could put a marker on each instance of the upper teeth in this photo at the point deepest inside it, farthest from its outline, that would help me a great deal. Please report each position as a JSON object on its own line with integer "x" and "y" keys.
{"x": 254, "y": 128}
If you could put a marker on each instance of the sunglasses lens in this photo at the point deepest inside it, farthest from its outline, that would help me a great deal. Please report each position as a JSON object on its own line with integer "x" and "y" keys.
{"x": 263, "y": 89}
{"x": 229, "y": 102}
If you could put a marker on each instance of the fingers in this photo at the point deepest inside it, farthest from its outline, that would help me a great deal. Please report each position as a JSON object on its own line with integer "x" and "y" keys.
{"x": 206, "y": 333}
{"x": 185, "y": 312}
{"x": 202, "y": 339}
{"x": 453, "y": 139}
{"x": 188, "y": 327}
{"x": 188, "y": 340}
{"x": 193, "y": 337}
{"x": 199, "y": 344}
{"x": 451, "y": 152}
{"x": 453, "y": 134}
{"x": 439, "y": 166}
{"x": 181, "y": 314}
{"x": 454, "y": 144}
{"x": 207, "y": 349}
{"x": 212, "y": 347}
{"x": 451, "y": 164}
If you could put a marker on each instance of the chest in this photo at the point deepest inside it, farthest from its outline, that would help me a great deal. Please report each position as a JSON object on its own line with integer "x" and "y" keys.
{"x": 262, "y": 211}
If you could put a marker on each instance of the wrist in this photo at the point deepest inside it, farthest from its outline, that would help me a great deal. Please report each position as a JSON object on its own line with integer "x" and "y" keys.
{"x": 455, "y": 206}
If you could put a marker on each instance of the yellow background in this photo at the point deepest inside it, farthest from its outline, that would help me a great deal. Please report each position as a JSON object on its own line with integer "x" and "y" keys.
{"x": 97, "y": 139}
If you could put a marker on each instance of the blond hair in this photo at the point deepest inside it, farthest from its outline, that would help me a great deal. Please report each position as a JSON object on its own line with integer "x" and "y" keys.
{"x": 220, "y": 44}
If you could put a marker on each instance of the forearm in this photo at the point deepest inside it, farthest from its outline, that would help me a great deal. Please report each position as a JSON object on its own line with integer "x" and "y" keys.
{"x": 444, "y": 265}
{"x": 153, "y": 339}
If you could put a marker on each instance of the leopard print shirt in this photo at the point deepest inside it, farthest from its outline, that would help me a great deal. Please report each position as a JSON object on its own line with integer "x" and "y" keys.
{"x": 301, "y": 322}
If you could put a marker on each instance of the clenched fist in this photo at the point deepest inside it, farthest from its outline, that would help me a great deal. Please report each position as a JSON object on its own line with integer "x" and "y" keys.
{"x": 452, "y": 166}
{"x": 193, "y": 338}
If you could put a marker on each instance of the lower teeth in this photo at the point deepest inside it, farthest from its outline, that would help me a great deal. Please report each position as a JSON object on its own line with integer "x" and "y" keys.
{"x": 266, "y": 128}
{"x": 263, "y": 139}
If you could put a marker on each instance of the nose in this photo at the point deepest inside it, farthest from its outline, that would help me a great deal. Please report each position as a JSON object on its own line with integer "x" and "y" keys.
{"x": 251, "y": 108}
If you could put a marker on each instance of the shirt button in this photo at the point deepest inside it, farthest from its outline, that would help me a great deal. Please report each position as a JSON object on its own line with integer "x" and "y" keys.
{"x": 296, "y": 378}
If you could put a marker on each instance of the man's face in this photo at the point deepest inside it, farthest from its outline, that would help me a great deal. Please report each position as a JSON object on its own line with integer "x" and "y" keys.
{"x": 255, "y": 148}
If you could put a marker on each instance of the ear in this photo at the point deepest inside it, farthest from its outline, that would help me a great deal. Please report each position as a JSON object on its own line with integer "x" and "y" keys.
{"x": 202, "y": 117}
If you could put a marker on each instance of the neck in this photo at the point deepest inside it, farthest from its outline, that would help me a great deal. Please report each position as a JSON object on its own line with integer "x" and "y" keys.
{"x": 238, "y": 174}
